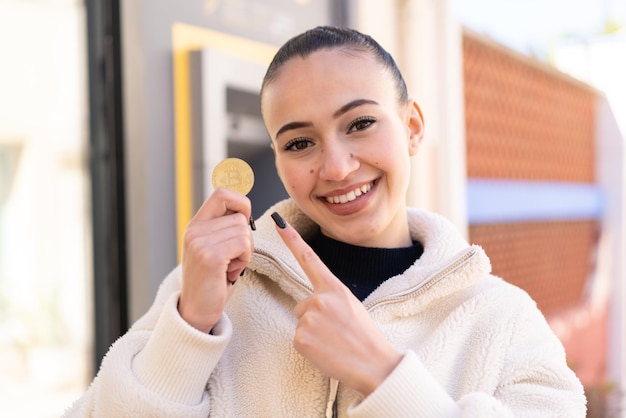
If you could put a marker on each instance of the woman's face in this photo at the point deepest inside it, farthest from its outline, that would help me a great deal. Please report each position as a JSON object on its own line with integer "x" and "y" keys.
{"x": 342, "y": 144}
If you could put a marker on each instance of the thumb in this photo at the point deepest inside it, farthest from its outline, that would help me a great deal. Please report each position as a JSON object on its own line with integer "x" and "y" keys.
{"x": 319, "y": 275}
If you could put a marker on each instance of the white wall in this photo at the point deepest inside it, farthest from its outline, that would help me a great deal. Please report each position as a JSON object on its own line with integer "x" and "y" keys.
{"x": 610, "y": 161}
{"x": 45, "y": 222}
{"x": 601, "y": 62}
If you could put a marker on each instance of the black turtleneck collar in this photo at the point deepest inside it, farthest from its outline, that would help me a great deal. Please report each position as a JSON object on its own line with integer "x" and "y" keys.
{"x": 363, "y": 269}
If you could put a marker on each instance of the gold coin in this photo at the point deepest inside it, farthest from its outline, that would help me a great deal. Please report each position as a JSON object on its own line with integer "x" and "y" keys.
{"x": 234, "y": 174}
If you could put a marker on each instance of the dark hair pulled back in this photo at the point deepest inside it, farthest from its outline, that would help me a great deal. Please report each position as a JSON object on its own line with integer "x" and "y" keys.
{"x": 330, "y": 37}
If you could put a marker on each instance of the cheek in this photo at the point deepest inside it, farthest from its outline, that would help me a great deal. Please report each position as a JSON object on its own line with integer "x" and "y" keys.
{"x": 296, "y": 178}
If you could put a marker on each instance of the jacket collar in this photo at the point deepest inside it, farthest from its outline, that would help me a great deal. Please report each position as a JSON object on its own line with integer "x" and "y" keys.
{"x": 444, "y": 248}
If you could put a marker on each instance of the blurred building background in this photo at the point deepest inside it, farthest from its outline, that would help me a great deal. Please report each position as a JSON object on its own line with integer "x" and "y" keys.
{"x": 113, "y": 113}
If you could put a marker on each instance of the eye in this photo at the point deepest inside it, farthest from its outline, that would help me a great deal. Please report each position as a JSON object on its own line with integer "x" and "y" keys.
{"x": 361, "y": 123}
{"x": 298, "y": 144}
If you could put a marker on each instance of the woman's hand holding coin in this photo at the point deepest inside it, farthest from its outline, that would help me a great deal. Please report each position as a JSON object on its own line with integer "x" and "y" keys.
{"x": 217, "y": 246}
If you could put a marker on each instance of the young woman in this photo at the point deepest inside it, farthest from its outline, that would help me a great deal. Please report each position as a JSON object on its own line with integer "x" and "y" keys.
{"x": 343, "y": 302}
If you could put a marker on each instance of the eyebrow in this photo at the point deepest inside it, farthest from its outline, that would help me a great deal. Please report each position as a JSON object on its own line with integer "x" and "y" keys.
{"x": 351, "y": 105}
{"x": 291, "y": 126}
{"x": 343, "y": 109}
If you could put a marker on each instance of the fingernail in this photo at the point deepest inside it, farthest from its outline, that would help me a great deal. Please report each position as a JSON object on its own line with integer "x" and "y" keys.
{"x": 242, "y": 271}
{"x": 279, "y": 220}
{"x": 252, "y": 225}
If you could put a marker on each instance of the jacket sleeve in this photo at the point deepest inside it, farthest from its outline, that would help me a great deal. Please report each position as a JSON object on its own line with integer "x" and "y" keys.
{"x": 534, "y": 380}
{"x": 160, "y": 367}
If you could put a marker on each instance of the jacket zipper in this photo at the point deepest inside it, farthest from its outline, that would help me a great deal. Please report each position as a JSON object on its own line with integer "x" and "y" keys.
{"x": 331, "y": 410}
{"x": 286, "y": 270}
{"x": 425, "y": 284}
{"x": 408, "y": 294}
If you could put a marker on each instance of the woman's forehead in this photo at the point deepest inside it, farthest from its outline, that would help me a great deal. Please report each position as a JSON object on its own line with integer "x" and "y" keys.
{"x": 327, "y": 72}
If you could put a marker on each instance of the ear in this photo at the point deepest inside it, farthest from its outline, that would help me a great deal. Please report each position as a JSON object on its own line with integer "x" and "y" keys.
{"x": 415, "y": 125}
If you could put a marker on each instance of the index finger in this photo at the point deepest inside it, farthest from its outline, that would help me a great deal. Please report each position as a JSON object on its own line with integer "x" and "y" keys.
{"x": 221, "y": 202}
{"x": 319, "y": 275}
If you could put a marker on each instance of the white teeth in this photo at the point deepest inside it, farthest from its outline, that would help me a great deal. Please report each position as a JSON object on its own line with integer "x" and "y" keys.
{"x": 350, "y": 196}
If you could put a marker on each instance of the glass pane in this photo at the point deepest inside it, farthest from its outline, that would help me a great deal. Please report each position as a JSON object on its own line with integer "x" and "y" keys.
{"x": 45, "y": 244}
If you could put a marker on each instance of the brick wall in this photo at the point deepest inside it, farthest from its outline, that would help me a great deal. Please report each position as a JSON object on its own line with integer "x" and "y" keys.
{"x": 526, "y": 121}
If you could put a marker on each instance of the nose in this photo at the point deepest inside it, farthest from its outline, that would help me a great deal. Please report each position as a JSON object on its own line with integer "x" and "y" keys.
{"x": 338, "y": 161}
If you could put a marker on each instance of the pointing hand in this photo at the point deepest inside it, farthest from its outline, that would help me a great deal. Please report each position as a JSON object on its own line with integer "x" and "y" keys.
{"x": 335, "y": 332}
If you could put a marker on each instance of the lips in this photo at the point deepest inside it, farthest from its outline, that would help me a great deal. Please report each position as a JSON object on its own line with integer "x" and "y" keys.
{"x": 351, "y": 195}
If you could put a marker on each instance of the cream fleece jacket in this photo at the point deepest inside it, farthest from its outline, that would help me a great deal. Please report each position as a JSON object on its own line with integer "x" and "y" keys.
{"x": 474, "y": 345}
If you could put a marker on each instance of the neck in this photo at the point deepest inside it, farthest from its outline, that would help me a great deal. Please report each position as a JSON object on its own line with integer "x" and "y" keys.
{"x": 363, "y": 269}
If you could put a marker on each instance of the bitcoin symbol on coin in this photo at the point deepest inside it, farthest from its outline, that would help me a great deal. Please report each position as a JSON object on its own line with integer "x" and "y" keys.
{"x": 234, "y": 174}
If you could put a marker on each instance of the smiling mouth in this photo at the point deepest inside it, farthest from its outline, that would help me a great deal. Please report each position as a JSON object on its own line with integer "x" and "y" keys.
{"x": 350, "y": 196}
